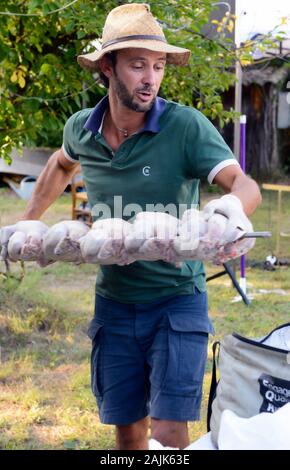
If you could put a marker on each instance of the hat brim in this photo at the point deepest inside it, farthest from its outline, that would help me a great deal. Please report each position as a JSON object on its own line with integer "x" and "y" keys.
{"x": 175, "y": 55}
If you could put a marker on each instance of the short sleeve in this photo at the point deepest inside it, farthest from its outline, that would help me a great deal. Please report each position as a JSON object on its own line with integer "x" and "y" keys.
{"x": 207, "y": 153}
{"x": 69, "y": 138}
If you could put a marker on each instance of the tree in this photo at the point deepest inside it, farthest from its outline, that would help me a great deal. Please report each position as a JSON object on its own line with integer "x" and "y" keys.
{"x": 41, "y": 84}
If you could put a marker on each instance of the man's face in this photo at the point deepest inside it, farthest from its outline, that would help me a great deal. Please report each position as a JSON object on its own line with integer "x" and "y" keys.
{"x": 137, "y": 77}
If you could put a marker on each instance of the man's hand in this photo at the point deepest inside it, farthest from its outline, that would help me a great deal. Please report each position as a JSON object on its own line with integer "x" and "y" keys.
{"x": 233, "y": 228}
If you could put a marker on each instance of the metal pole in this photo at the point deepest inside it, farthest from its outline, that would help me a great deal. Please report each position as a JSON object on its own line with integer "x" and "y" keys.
{"x": 238, "y": 101}
{"x": 243, "y": 120}
{"x": 278, "y": 223}
{"x": 238, "y": 108}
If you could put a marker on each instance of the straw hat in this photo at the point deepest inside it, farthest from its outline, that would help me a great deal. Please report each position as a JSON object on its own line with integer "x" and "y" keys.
{"x": 133, "y": 25}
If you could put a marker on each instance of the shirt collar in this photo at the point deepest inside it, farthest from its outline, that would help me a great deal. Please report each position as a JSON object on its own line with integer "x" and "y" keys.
{"x": 95, "y": 120}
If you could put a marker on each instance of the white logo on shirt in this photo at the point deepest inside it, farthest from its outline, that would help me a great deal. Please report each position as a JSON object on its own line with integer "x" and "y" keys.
{"x": 146, "y": 170}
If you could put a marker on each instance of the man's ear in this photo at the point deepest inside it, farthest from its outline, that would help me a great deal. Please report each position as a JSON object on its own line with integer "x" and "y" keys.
{"x": 105, "y": 66}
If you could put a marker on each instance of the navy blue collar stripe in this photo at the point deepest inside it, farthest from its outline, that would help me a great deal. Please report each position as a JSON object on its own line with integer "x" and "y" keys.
{"x": 94, "y": 120}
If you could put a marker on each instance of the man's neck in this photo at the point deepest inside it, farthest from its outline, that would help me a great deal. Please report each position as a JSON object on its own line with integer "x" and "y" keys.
{"x": 123, "y": 118}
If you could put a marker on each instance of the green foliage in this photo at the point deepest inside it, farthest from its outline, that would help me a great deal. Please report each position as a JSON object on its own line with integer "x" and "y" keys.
{"x": 41, "y": 84}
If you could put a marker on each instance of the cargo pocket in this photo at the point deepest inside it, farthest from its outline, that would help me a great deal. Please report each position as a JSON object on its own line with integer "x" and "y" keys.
{"x": 94, "y": 332}
{"x": 187, "y": 351}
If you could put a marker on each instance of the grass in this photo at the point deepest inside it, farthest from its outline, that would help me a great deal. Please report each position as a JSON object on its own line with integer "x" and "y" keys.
{"x": 45, "y": 396}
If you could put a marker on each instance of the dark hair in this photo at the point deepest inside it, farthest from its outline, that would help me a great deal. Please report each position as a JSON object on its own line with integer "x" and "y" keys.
{"x": 112, "y": 57}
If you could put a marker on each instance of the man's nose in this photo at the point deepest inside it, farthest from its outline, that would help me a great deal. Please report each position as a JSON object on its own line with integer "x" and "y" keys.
{"x": 149, "y": 76}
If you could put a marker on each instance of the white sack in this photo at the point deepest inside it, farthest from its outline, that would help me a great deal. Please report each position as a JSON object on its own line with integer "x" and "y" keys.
{"x": 265, "y": 431}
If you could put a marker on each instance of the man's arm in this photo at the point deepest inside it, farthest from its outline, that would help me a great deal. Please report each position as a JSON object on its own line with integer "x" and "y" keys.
{"x": 51, "y": 183}
{"x": 232, "y": 180}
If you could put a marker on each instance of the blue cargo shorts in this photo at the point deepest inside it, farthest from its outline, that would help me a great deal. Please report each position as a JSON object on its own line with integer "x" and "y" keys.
{"x": 149, "y": 359}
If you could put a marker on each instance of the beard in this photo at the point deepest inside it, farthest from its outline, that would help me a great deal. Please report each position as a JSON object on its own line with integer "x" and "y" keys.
{"x": 127, "y": 99}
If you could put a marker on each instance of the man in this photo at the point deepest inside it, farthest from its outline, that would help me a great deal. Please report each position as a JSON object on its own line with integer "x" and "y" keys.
{"x": 151, "y": 325}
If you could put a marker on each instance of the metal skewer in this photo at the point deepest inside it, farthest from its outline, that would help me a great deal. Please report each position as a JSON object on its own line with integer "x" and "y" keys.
{"x": 256, "y": 235}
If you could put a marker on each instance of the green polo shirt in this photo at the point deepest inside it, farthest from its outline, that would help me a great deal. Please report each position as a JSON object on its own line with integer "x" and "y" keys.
{"x": 157, "y": 169}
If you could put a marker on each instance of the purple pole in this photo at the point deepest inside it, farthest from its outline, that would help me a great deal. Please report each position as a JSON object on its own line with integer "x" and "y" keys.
{"x": 243, "y": 120}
